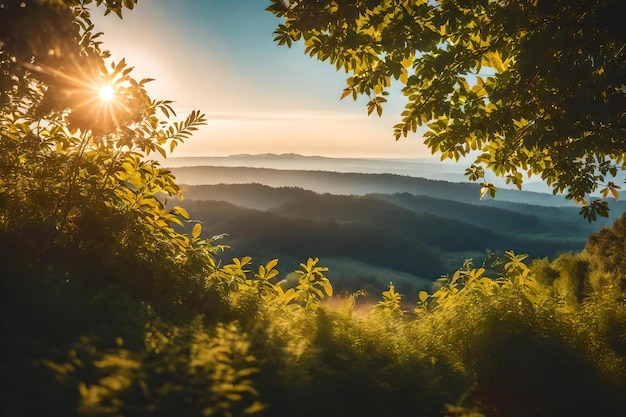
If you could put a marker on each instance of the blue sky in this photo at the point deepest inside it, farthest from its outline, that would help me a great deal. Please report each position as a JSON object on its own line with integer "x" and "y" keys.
{"x": 218, "y": 56}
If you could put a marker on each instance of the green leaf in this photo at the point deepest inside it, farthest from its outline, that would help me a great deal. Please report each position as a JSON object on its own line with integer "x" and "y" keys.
{"x": 328, "y": 288}
{"x": 195, "y": 232}
{"x": 271, "y": 264}
{"x": 129, "y": 4}
{"x": 254, "y": 408}
{"x": 181, "y": 212}
{"x": 488, "y": 188}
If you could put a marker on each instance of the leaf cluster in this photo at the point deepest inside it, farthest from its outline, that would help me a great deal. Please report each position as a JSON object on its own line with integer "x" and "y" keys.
{"x": 524, "y": 87}
{"x": 75, "y": 178}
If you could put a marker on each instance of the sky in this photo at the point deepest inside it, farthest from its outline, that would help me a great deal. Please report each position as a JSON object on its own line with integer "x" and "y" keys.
{"x": 219, "y": 57}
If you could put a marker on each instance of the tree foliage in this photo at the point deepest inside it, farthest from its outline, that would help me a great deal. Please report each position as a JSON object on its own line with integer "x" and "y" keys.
{"x": 75, "y": 177}
{"x": 532, "y": 87}
{"x": 607, "y": 248}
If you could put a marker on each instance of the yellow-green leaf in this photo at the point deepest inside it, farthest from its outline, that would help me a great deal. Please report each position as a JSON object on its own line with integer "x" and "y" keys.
{"x": 197, "y": 229}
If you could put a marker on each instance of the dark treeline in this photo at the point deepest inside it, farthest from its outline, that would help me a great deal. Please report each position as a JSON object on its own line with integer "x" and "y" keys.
{"x": 499, "y": 215}
{"x": 256, "y": 196}
{"x": 366, "y": 229}
{"x": 356, "y": 183}
{"x": 261, "y": 233}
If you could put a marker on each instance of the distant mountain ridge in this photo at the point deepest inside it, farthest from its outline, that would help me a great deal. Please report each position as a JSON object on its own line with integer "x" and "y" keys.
{"x": 424, "y": 167}
{"x": 358, "y": 184}
{"x": 416, "y": 167}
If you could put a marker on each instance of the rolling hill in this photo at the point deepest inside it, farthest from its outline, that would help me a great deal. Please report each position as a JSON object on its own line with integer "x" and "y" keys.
{"x": 405, "y": 238}
{"x": 357, "y": 184}
{"x": 409, "y": 230}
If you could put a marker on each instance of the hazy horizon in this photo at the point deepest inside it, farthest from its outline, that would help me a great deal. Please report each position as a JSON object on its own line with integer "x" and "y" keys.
{"x": 219, "y": 57}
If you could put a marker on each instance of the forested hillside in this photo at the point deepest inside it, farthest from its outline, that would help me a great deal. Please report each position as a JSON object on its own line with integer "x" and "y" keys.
{"x": 254, "y": 196}
{"x": 498, "y": 215}
{"x": 356, "y": 183}
{"x": 419, "y": 235}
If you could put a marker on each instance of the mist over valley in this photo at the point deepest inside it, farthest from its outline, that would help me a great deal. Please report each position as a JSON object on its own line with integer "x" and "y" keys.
{"x": 361, "y": 215}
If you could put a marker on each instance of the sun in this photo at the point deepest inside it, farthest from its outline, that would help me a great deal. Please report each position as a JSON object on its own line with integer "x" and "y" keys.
{"x": 107, "y": 93}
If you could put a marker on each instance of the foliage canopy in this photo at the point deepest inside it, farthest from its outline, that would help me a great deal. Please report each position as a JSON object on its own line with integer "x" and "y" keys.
{"x": 532, "y": 87}
{"x": 74, "y": 174}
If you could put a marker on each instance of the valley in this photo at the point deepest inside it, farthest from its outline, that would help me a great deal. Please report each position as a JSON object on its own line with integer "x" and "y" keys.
{"x": 409, "y": 230}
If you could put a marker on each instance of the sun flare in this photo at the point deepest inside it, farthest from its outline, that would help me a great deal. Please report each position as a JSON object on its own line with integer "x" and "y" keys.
{"x": 106, "y": 93}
